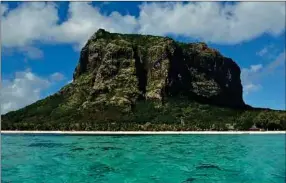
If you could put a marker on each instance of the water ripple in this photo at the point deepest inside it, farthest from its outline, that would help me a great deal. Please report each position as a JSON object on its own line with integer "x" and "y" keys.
{"x": 143, "y": 159}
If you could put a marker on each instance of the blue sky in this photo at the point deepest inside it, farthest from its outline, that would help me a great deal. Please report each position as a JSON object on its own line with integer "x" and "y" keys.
{"x": 41, "y": 41}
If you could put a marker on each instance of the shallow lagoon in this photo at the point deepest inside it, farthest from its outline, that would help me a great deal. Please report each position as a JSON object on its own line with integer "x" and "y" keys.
{"x": 143, "y": 158}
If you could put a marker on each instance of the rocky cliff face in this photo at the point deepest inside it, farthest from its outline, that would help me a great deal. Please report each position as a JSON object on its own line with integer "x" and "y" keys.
{"x": 121, "y": 69}
{"x": 137, "y": 82}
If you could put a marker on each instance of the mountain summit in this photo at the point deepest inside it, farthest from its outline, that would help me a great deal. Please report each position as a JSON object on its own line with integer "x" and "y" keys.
{"x": 128, "y": 79}
{"x": 125, "y": 68}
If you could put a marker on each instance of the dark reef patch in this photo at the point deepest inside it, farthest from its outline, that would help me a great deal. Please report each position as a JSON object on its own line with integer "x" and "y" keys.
{"x": 99, "y": 169}
{"x": 189, "y": 180}
{"x": 208, "y": 166}
{"x": 110, "y": 148}
{"x": 47, "y": 145}
{"x": 77, "y": 149}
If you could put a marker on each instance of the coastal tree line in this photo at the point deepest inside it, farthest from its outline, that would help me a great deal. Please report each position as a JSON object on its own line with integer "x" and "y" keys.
{"x": 175, "y": 115}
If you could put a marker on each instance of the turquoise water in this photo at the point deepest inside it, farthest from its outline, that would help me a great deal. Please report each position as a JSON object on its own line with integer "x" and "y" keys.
{"x": 143, "y": 159}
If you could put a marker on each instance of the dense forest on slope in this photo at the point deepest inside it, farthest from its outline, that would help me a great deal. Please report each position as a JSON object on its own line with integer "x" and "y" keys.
{"x": 142, "y": 82}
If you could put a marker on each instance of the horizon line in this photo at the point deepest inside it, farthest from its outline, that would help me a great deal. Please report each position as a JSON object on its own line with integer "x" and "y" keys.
{"x": 142, "y": 132}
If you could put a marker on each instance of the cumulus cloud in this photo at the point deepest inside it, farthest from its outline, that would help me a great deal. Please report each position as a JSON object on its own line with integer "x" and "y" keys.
{"x": 84, "y": 20}
{"x": 25, "y": 88}
{"x": 208, "y": 21}
{"x": 213, "y": 21}
{"x": 29, "y": 22}
{"x": 22, "y": 25}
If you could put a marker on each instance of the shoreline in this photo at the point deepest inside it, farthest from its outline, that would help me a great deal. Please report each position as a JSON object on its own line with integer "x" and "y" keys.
{"x": 142, "y": 132}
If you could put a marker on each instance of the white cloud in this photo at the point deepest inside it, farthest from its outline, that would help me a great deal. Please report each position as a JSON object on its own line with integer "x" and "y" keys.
{"x": 29, "y": 22}
{"x": 214, "y": 22}
{"x": 251, "y": 88}
{"x": 255, "y": 68}
{"x": 29, "y": 52}
{"x": 24, "y": 89}
{"x": 32, "y": 52}
{"x": 252, "y": 76}
{"x": 208, "y": 21}
{"x": 57, "y": 76}
{"x": 268, "y": 52}
{"x": 22, "y": 26}
{"x": 279, "y": 62}
{"x": 70, "y": 81}
{"x": 84, "y": 20}
{"x": 262, "y": 52}
{"x": 247, "y": 78}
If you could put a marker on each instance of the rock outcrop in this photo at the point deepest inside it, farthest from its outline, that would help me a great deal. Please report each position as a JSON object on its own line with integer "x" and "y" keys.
{"x": 122, "y": 69}
{"x": 142, "y": 82}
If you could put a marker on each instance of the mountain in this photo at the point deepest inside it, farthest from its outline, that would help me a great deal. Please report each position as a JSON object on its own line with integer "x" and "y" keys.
{"x": 144, "y": 82}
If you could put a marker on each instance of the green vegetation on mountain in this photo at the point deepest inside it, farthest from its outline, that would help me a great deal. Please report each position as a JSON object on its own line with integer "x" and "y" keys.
{"x": 140, "y": 82}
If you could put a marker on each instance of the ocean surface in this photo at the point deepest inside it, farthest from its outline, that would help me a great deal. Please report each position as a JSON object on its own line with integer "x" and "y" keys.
{"x": 143, "y": 159}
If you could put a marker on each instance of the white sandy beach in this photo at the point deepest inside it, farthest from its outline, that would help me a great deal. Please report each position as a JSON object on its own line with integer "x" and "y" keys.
{"x": 141, "y": 132}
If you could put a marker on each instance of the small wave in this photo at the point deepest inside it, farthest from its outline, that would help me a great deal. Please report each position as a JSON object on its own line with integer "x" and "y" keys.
{"x": 279, "y": 176}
